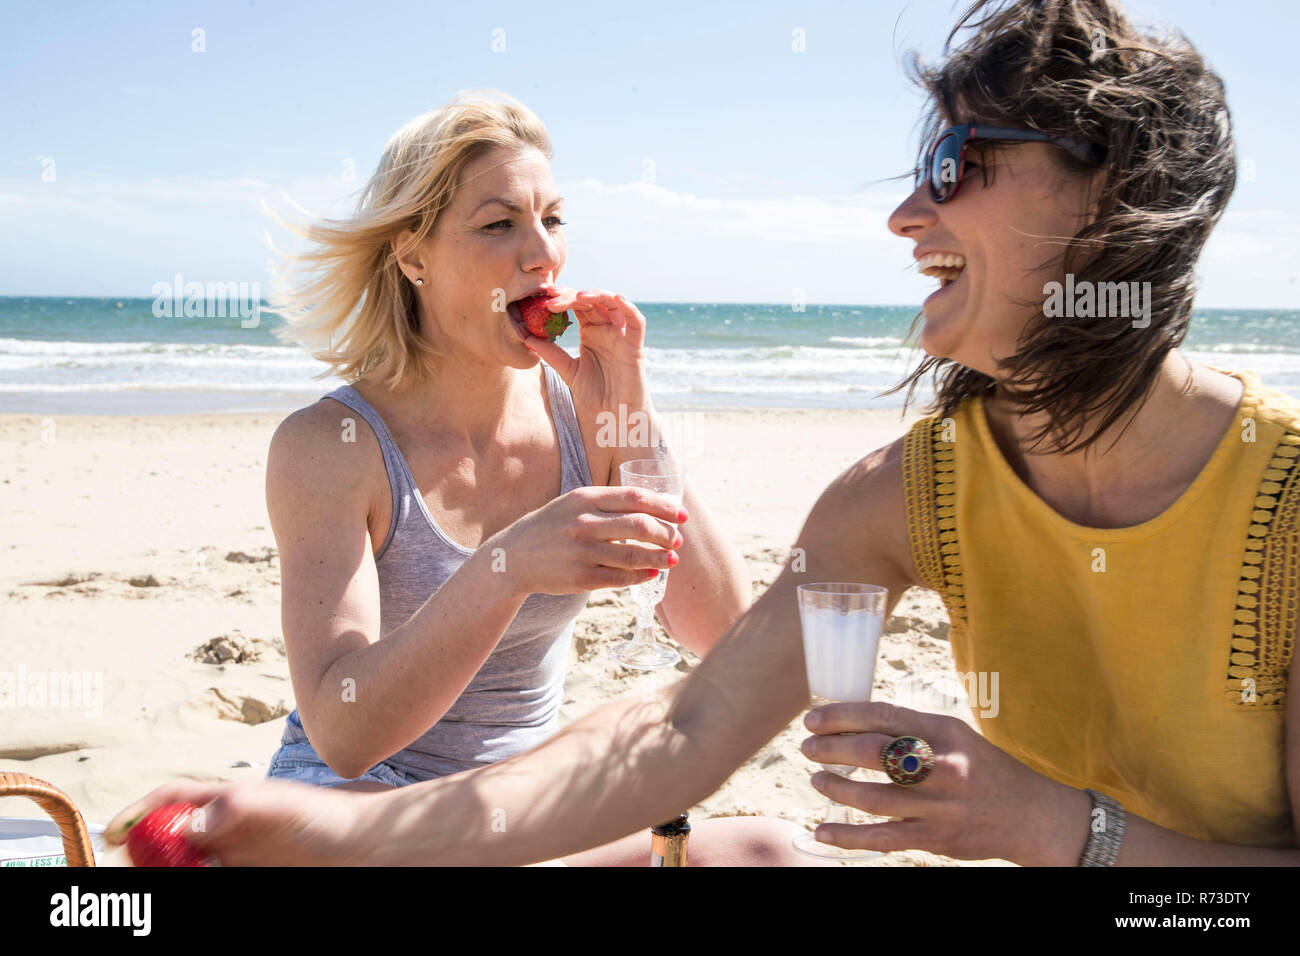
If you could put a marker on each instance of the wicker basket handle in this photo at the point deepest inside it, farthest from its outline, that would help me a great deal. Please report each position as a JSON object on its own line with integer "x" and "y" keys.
{"x": 76, "y": 838}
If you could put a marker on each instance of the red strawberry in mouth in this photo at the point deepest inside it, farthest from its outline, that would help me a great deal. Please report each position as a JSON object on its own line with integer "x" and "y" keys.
{"x": 539, "y": 320}
{"x": 158, "y": 839}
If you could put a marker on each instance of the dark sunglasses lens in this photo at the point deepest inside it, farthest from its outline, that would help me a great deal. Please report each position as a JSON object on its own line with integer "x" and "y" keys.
{"x": 945, "y": 167}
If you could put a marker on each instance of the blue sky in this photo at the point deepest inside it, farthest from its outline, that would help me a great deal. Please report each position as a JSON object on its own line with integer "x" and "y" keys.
{"x": 770, "y": 167}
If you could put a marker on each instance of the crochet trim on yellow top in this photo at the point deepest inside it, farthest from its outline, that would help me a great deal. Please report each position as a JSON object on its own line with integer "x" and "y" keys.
{"x": 1263, "y": 640}
{"x": 929, "y": 463}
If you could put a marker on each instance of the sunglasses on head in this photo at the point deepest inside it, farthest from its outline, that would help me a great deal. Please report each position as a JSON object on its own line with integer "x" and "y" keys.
{"x": 945, "y": 164}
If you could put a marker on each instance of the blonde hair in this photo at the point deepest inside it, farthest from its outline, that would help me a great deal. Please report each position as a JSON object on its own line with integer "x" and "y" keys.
{"x": 352, "y": 306}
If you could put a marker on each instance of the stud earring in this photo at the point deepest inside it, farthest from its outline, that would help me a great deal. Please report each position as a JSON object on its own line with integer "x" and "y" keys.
{"x": 419, "y": 281}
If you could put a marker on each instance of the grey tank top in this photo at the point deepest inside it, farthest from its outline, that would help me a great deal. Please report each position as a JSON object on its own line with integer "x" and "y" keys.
{"x": 512, "y": 704}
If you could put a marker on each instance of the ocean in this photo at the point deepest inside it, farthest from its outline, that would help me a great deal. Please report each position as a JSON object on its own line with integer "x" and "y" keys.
{"x": 111, "y": 355}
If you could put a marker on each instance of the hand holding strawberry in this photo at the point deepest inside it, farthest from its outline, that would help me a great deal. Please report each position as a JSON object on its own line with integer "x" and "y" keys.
{"x": 610, "y": 368}
{"x": 540, "y": 321}
{"x": 267, "y": 822}
{"x": 159, "y": 838}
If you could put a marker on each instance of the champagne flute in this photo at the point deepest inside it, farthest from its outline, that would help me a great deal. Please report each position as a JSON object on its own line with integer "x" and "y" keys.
{"x": 841, "y": 624}
{"x": 644, "y": 651}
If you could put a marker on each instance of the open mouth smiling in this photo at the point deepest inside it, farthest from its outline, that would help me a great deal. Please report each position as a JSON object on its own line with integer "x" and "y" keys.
{"x": 944, "y": 266}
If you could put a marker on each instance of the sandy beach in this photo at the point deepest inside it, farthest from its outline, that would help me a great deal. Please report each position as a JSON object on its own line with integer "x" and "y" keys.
{"x": 137, "y": 550}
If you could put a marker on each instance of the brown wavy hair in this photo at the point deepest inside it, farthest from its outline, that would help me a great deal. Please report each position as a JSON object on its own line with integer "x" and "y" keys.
{"x": 1078, "y": 68}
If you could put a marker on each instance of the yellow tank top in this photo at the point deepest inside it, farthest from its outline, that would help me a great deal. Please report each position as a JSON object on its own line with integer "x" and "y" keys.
{"x": 1148, "y": 662}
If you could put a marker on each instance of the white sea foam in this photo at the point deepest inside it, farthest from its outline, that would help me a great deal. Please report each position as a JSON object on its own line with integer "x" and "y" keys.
{"x": 41, "y": 347}
{"x": 869, "y": 341}
{"x": 724, "y": 356}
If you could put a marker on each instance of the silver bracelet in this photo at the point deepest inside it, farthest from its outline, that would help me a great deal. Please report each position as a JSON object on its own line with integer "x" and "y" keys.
{"x": 1105, "y": 831}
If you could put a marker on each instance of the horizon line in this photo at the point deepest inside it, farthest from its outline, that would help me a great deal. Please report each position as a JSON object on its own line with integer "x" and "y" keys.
{"x": 847, "y": 305}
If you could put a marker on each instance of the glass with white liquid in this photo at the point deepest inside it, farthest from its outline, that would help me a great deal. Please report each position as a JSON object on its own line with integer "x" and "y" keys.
{"x": 841, "y": 624}
{"x": 644, "y": 651}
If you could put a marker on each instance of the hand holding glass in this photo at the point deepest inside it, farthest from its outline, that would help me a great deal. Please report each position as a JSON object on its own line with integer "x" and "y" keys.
{"x": 841, "y": 624}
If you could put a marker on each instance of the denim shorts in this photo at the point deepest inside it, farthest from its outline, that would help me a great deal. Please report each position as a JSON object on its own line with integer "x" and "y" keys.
{"x": 299, "y": 761}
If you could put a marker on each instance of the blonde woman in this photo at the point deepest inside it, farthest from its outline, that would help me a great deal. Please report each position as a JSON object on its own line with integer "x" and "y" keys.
{"x": 443, "y": 518}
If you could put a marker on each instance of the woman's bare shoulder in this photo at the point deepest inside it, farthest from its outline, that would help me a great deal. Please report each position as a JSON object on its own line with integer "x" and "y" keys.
{"x": 872, "y": 492}
{"x": 323, "y": 448}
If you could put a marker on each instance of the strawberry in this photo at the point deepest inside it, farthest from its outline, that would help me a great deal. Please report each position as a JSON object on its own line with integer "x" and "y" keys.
{"x": 158, "y": 839}
{"x": 541, "y": 321}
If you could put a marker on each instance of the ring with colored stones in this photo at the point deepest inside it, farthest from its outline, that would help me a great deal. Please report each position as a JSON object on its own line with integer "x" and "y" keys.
{"x": 907, "y": 760}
